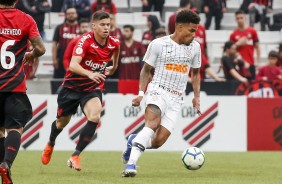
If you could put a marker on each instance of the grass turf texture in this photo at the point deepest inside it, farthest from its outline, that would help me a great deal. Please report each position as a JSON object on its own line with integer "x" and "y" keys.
{"x": 154, "y": 167}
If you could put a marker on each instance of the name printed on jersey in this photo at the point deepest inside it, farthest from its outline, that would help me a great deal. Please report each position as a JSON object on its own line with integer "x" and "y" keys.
{"x": 8, "y": 31}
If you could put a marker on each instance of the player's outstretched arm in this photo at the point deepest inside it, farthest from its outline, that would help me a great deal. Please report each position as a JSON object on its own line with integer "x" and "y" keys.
{"x": 196, "y": 82}
{"x": 143, "y": 82}
{"x": 38, "y": 49}
{"x": 75, "y": 67}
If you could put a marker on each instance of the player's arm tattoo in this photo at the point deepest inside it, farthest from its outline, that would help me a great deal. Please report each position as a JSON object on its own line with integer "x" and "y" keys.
{"x": 144, "y": 76}
{"x": 38, "y": 46}
{"x": 196, "y": 81}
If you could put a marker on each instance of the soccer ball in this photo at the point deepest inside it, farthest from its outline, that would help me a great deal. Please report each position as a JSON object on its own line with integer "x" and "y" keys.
{"x": 193, "y": 158}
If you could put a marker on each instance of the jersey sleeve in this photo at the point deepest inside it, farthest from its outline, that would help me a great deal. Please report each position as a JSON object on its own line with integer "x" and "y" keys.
{"x": 152, "y": 53}
{"x": 171, "y": 24}
{"x": 81, "y": 46}
{"x": 33, "y": 31}
{"x": 114, "y": 8}
{"x": 197, "y": 61}
{"x": 255, "y": 36}
{"x": 232, "y": 37}
{"x": 56, "y": 36}
{"x": 68, "y": 53}
{"x": 115, "y": 42}
{"x": 93, "y": 7}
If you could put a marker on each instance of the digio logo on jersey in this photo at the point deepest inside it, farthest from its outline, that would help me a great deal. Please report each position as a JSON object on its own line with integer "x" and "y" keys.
{"x": 198, "y": 131}
{"x": 31, "y": 130}
{"x": 182, "y": 68}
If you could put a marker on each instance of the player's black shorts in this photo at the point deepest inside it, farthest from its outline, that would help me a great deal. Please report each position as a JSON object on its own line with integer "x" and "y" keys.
{"x": 69, "y": 100}
{"x": 15, "y": 110}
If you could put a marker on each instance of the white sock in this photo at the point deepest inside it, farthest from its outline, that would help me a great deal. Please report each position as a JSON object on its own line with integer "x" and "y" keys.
{"x": 140, "y": 143}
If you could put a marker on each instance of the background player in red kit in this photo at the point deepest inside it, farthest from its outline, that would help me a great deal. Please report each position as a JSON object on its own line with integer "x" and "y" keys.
{"x": 131, "y": 54}
{"x": 15, "y": 108}
{"x": 247, "y": 41}
{"x": 83, "y": 83}
{"x": 83, "y": 28}
{"x": 200, "y": 36}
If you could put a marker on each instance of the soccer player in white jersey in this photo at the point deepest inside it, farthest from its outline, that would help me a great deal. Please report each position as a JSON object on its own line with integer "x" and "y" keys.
{"x": 171, "y": 57}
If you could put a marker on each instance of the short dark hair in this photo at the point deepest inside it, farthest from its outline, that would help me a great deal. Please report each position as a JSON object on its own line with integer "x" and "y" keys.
{"x": 228, "y": 45}
{"x": 184, "y": 3}
{"x": 239, "y": 12}
{"x": 273, "y": 53}
{"x": 8, "y": 2}
{"x": 187, "y": 16}
{"x": 99, "y": 15}
{"x": 70, "y": 7}
{"x": 129, "y": 26}
{"x": 81, "y": 21}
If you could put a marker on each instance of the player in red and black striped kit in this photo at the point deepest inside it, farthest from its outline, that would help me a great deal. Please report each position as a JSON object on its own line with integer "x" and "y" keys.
{"x": 16, "y": 28}
{"x": 63, "y": 35}
{"x": 83, "y": 84}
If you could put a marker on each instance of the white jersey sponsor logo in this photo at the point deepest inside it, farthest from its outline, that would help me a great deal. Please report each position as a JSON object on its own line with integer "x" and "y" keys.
{"x": 172, "y": 63}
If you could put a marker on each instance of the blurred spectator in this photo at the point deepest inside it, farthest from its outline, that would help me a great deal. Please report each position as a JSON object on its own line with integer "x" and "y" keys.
{"x": 104, "y": 5}
{"x": 276, "y": 23}
{"x": 63, "y": 34}
{"x": 246, "y": 39}
{"x": 157, "y": 4}
{"x": 233, "y": 66}
{"x": 184, "y": 4}
{"x": 83, "y": 28}
{"x": 82, "y": 7}
{"x": 115, "y": 31}
{"x": 131, "y": 54}
{"x": 279, "y": 63}
{"x": 57, "y": 5}
{"x": 200, "y": 36}
{"x": 214, "y": 8}
{"x": 37, "y": 9}
{"x": 198, "y": 4}
{"x": 153, "y": 24}
{"x": 257, "y": 10}
{"x": 270, "y": 72}
{"x": 160, "y": 32}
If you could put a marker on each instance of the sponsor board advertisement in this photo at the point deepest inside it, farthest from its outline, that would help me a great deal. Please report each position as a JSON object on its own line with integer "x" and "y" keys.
{"x": 222, "y": 127}
{"x": 264, "y": 124}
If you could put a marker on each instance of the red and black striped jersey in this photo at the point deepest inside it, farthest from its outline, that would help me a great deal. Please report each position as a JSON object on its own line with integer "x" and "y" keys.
{"x": 16, "y": 28}
{"x": 63, "y": 34}
{"x": 95, "y": 58}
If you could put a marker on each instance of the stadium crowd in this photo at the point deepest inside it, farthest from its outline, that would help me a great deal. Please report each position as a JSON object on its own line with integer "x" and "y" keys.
{"x": 241, "y": 54}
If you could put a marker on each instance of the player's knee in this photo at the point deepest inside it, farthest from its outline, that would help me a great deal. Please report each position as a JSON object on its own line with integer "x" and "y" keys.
{"x": 62, "y": 122}
{"x": 94, "y": 117}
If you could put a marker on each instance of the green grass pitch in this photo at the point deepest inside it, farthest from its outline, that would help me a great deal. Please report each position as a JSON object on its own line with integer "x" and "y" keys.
{"x": 154, "y": 167}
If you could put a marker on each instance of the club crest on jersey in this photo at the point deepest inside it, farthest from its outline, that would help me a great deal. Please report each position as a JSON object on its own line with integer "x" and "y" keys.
{"x": 78, "y": 50}
{"x": 135, "y": 51}
{"x": 94, "y": 46}
{"x": 177, "y": 68}
{"x": 111, "y": 47}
